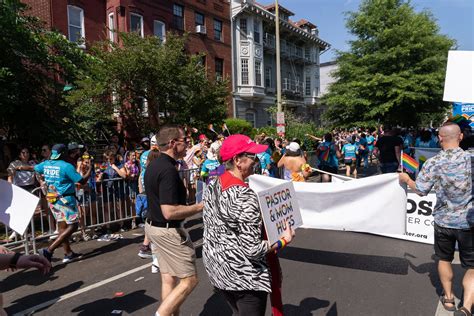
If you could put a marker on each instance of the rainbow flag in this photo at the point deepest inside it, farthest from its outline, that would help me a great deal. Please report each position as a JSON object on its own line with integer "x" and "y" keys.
{"x": 409, "y": 164}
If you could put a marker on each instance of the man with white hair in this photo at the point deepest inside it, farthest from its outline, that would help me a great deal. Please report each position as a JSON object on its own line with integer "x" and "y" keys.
{"x": 449, "y": 173}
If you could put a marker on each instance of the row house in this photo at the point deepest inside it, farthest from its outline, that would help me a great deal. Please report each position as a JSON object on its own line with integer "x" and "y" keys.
{"x": 254, "y": 60}
{"x": 86, "y": 21}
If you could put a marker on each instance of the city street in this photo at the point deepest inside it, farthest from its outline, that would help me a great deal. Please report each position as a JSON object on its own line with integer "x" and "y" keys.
{"x": 325, "y": 273}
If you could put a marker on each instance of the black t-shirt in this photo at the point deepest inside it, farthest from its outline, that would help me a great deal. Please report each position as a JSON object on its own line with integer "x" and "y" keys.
{"x": 163, "y": 186}
{"x": 386, "y": 146}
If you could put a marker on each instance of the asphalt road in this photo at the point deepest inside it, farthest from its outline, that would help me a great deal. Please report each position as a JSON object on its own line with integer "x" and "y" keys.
{"x": 325, "y": 273}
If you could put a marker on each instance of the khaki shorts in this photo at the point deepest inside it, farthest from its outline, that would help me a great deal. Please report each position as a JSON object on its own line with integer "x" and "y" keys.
{"x": 175, "y": 250}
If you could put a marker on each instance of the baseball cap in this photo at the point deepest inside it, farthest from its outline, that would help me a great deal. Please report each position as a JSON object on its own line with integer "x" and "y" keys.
{"x": 202, "y": 137}
{"x": 74, "y": 145}
{"x": 153, "y": 141}
{"x": 57, "y": 151}
{"x": 238, "y": 144}
{"x": 293, "y": 146}
{"x": 145, "y": 139}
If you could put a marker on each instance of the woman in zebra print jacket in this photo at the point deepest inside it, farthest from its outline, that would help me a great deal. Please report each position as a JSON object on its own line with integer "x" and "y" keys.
{"x": 234, "y": 251}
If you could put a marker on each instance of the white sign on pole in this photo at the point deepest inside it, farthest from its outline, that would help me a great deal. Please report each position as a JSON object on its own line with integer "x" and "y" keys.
{"x": 280, "y": 129}
{"x": 17, "y": 206}
{"x": 280, "y": 117}
{"x": 279, "y": 206}
{"x": 459, "y": 83}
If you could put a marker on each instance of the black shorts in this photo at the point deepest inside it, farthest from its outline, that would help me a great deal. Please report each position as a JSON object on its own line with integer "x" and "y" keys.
{"x": 328, "y": 169}
{"x": 445, "y": 243}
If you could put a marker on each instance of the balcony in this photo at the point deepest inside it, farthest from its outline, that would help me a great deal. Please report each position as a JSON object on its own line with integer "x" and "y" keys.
{"x": 269, "y": 41}
{"x": 291, "y": 86}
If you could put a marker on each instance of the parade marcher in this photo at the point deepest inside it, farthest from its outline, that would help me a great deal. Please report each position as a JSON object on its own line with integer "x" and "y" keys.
{"x": 388, "y": 150}
{"x": 349, "y": 151}
{"x": 167, "y": 209}
{"x": 370, "y": 144}
{"x": 449, "y": 173}
{"x": 234, "y": 251}
{"x": 61, "y": 178}
{"x": 212, "y": 162}
{"x": 294, "y": 164}
{"x": 363, "y": 150}
{"x": 328, "y": 156}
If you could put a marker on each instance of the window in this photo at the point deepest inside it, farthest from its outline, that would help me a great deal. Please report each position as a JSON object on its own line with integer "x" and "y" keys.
{"x": 202, "y": 60}
{"x": 243, "y": 29}
{"x": 199, "y": 19}
{"x": 307, "y": 87}
{"x": 136, "y": 24}
{"x": 159, "y": 30}
{"x": 268, "y": 77}
{"x": 111, "y": 27}
{"x": 244, "y": 71}
{"x": 178, "y": 17}
{"x": 217, "y": 30}
{"x": 75, "y": 17}
{"x": 258, "y": 73}
{"x": 250, "y": 117}
{"x": 256, "y": 31}
{"x": 219, "y": 65}
{"x": 307, "y": 53}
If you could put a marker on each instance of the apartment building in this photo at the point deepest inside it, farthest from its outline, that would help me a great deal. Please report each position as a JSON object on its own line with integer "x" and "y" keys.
{"x": 254, "y": 60}
{"x": 206, "y": 21}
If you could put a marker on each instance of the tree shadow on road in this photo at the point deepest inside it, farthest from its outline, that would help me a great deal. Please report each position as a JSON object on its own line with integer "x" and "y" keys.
{"x": 41, "y": 297}
{"x": 129, "y": 303}
{"x": 373, "y": 263}
{"x": 306, "y": 308}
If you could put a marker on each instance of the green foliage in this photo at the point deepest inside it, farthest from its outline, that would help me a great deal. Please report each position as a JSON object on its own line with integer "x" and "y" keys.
{"x": 394, "y": 71}
{"x": 31, "y": 61}
{"x": 174, "y": 84}
{"x": 239, "y": 126}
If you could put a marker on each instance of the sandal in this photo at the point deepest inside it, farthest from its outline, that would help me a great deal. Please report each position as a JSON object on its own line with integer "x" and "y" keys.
{"x": 462, "y": 311}
{"x": 444, "y": 300}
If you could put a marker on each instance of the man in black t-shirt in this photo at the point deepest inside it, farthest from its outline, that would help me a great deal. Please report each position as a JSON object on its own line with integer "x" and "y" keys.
{"x": 388, "y": 151}
{"x": 166, "y": 195}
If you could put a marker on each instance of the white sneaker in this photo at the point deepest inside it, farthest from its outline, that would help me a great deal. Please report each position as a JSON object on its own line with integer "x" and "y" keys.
{"x": 155, "y": 267}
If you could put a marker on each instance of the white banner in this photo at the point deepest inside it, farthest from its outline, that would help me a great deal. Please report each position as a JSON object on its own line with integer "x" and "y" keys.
{"x": 374, "y": 204}
{"x": 279, "y": 205}
{"x": 419, "y": 219}
{"x": 17, "y": 206}
{"x": 459, "y": 77}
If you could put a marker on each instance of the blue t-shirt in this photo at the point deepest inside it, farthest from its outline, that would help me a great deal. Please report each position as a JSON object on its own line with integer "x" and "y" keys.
{"x": 349, "y": 151}
{"x": 265, "y": 160}
{"x": 143, "y": 159}
{"x": 59, "y": 174}
{"x": 370, "y": 142}
{"x": 362, "y": 144}
{"x": 428, "y": 144}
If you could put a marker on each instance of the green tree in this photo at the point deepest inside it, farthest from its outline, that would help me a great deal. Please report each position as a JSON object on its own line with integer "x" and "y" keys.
{"x": 148, "y": 83}
{"x": 34, "y": 64}
{"x": 394, "y": 71}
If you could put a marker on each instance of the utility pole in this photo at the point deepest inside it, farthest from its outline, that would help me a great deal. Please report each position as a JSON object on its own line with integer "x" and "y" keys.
{"x": 277, "y": 46}
{"x": 280, "y": 115}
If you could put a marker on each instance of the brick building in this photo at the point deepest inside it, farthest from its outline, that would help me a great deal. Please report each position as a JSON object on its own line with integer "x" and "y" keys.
{"x": 206, "y": 21}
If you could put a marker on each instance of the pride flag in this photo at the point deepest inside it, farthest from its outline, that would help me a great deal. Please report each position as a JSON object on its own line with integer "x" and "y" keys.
{"x": 409, "y": 164}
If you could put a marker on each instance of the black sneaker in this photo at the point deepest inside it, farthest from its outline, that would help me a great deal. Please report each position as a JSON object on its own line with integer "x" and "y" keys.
{"x": 145, "y": 252}
{"x": 73, "y": 256}
{"x": 45, "y": 253}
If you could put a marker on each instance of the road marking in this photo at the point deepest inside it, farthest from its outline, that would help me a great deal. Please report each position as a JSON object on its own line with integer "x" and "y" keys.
{"x": 31, "y": 310}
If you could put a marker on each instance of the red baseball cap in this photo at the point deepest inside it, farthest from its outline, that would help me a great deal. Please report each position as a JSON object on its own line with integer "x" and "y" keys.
{"x": 238, "y": 144}
{"x": 202, "y": 137}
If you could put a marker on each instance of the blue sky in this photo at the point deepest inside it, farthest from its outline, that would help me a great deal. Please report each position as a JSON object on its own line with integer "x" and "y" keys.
{"x": 455, "y": 18}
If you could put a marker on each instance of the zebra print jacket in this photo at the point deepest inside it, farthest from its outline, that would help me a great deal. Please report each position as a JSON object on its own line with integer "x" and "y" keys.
{"x": 234, "y": 250}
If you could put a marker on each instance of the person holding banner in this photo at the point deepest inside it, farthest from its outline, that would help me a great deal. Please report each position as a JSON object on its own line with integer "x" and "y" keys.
{"x": 234, "y": 252}
{"x": 450, "y": 174}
